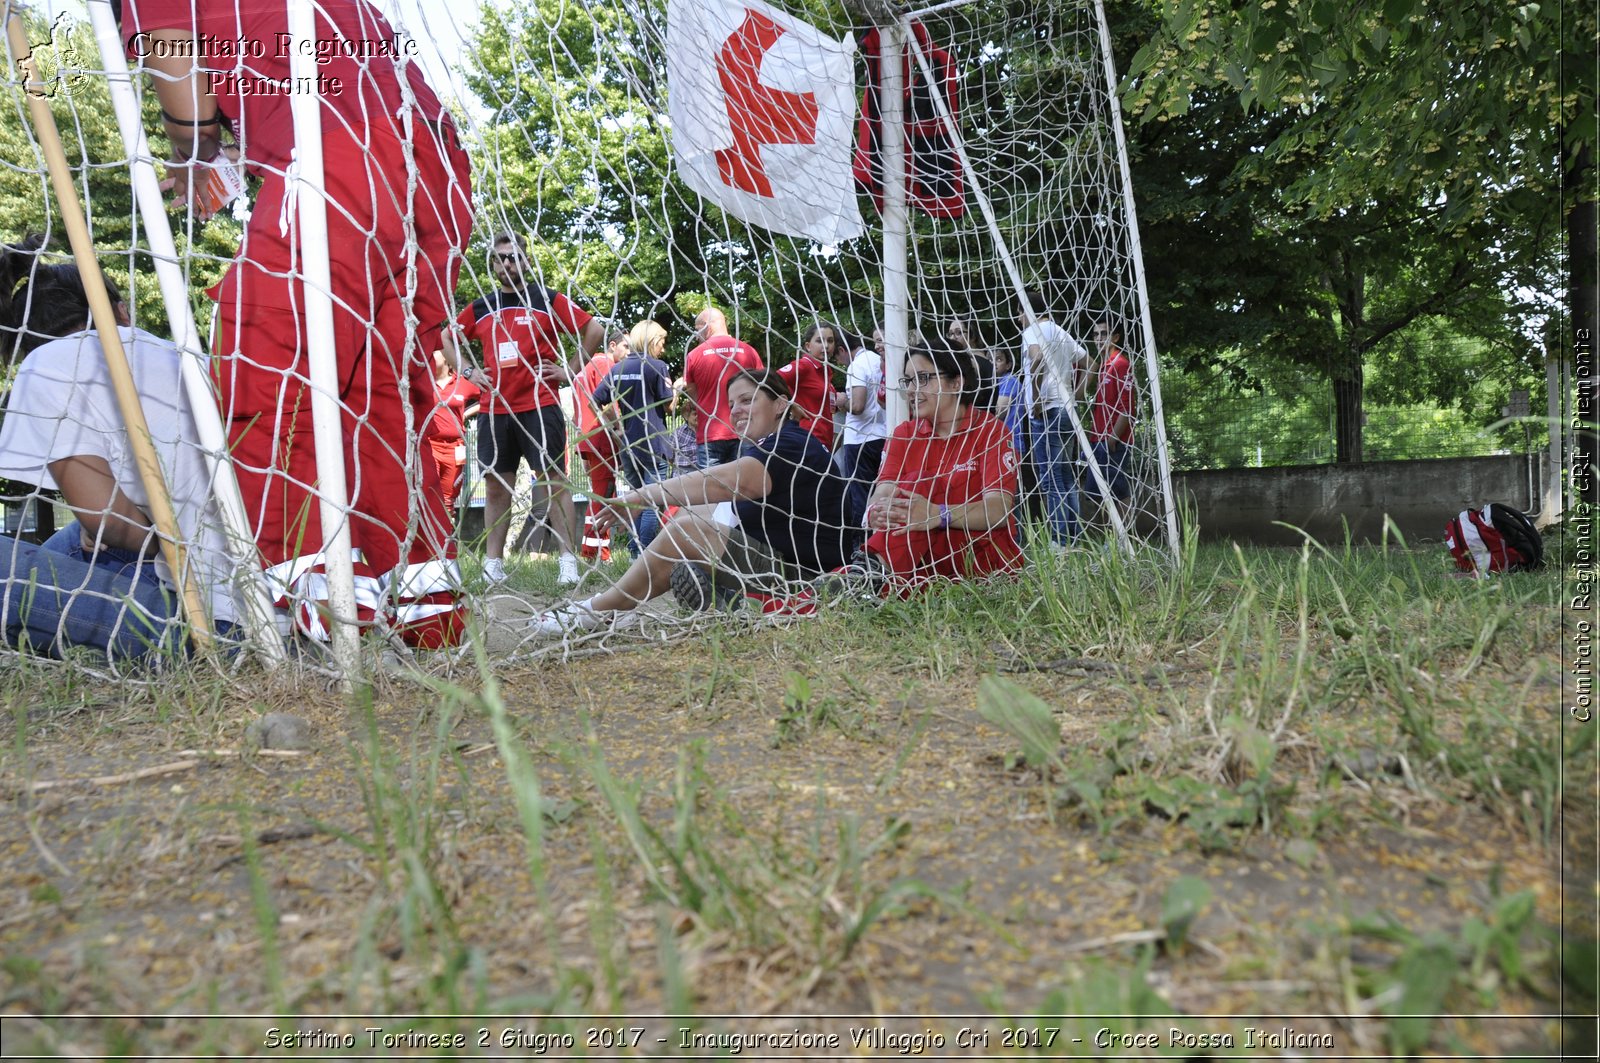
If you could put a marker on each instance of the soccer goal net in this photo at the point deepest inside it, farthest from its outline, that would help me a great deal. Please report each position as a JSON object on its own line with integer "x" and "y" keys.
{"x": 592, "y": 320}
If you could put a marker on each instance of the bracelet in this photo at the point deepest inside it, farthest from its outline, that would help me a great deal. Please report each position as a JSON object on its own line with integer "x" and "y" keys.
{"x": 944, "y": 517}
{"x": 190, "y": 123}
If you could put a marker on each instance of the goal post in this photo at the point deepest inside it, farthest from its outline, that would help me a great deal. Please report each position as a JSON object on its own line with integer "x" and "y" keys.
{"x": 988, "y": 164}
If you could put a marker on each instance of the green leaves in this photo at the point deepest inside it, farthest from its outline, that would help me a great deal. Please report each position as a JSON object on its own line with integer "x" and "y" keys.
{"x": 1182, "y": 904}
{"x": 1024, "y": 717}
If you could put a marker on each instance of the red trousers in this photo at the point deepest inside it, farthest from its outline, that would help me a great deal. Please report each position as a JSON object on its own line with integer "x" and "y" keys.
{"x": 398, "y": 520}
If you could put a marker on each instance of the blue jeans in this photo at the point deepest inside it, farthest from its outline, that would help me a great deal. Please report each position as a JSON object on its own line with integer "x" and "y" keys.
{"x": 859, "y": 464}
{"x": 57, "y": 595}
{"x": 643, "y": 467}
{"x": 718, "y": 452}
{"x": 1053, "y": 463}
{"x": 1114, "y": 467}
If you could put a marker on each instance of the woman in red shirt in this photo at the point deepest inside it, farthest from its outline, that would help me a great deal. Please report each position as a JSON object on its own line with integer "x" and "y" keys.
{"x": 456, "y": 400}
{"x": 943, "y": 503}
{"x": 810, "y": 381}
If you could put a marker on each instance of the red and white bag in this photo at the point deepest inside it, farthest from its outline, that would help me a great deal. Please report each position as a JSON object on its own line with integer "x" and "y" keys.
{"x": 1493, "y": 539}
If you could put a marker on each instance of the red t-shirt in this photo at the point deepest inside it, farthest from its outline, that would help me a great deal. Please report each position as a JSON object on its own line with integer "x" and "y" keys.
{"x": 1113, "y": 397}
{"x": 707, "y": 369}
{"x": 516, "y": 337}
{"x": 592, "y": 439}
{"x": 448, "y": 426}
{"x": 244, "y": 50}
{"x": 977, "y": 459}
{"x": 812, "y": 393}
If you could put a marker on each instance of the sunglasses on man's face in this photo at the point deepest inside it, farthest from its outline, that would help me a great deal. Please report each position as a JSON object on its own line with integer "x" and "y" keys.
{"x": 508, "y": 256}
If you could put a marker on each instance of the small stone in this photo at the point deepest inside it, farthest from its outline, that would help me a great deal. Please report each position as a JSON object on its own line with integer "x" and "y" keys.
{"x": 279, "y": 730}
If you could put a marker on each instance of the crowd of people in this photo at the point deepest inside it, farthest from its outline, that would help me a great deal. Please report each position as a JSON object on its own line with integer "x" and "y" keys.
{"x": 777, "y": 476}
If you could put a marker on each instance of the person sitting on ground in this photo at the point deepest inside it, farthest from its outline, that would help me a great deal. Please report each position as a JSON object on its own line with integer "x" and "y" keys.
{"x": 99, "y": 582}
{"x": 773, "y": 516}
{"x": 943, "y": 503}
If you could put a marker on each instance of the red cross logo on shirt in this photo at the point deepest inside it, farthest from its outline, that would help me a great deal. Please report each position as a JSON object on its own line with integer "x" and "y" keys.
{"x": 759, "y": 114}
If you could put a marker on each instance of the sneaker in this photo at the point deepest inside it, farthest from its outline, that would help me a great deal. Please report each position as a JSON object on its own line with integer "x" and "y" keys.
{"x": 494, "y": 570}
{"x": 698, "y": 590}
{"x": 569, "y": 576}
{"x": 864, "y": 579}
{"x": 574, "y": 618}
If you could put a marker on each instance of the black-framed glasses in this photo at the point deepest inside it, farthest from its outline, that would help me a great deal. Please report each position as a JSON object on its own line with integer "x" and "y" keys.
{"x": 918, "y": 380}
{"x": 508, "y": 256}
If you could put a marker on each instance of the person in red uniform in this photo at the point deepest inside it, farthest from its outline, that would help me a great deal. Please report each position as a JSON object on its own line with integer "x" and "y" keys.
{"x": 519, "y": 328}
{"x": 456, "y": 399}
{"x": 596, "y": 447}
{"x": 1111, "y": 415}
{"x": 220, "y": 69}
{"x": 942, "y": 506}
{"x": 715, "y": 359}
{"x": 810, "y": 381}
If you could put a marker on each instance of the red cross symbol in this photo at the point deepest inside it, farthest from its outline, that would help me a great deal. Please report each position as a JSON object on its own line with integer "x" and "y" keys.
{"x": 759, "y": 114}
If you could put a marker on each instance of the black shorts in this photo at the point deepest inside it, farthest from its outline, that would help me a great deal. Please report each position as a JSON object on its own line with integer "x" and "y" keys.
{"x": 538, "y": 435}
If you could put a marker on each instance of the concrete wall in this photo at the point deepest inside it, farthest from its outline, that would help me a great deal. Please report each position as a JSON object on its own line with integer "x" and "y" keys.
{"x": 1420, "y": 497}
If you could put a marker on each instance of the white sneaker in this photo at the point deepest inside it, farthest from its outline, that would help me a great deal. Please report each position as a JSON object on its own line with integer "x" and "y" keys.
{"x": 494, "y": 570}
{"x": 569, "y": 576}
{"x": 574, "y": 618}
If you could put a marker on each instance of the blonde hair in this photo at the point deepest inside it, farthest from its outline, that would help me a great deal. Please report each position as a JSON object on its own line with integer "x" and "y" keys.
{"x": 645, "y": 335}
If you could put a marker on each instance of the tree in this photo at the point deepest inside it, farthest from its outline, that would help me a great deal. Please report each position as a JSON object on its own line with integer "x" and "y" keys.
{"x": 81, "y": 103}
{"x": 1379, "y": 163}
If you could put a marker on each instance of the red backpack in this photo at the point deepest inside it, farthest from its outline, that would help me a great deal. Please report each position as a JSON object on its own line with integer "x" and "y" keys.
{"x": 1495, "y": 538}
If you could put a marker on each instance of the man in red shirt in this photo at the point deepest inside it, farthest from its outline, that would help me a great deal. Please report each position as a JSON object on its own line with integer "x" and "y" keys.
{"x": 519, "y": 329}
{"x": 706, "y": 372}
{"x": 1111, "y": 414}
{"x": 398, "y": 193}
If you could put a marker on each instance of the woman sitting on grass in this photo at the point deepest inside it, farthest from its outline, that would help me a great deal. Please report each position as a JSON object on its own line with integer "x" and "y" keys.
{"x": 773, "y": 515}
{"x": 942, "y": 505}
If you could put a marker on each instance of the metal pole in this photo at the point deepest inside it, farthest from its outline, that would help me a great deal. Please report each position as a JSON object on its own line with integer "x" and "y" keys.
{"x": 158, "y": 500}
{"x": 1152, "y": 366}
{"x": 896, "y": 294}
{"x": 1063, "y": 374}
{"x": 308, "y": 187}
{"x": 264, "y": 638}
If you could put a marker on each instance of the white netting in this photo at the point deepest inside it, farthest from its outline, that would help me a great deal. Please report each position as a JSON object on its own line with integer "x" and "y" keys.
{"x": 563, "y": 110}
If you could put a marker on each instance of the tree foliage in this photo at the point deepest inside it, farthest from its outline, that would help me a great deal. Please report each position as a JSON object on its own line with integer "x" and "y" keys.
{"x": 1352, "y": 171}
{"x": 69, "y": 63}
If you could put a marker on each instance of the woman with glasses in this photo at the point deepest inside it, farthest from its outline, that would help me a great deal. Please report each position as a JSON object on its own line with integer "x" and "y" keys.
{"x": 771, "y": 517}
{"x": 943, "y": 503}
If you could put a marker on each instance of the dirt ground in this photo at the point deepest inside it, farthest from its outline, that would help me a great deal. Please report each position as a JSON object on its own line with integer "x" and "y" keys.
{"x": 356, "y": 879}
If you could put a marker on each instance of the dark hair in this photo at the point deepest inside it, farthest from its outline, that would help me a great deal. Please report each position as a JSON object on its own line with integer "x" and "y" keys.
{"x": 977, "y": 383}
{"x": 1035, "y": 302}
{"x": 509, "y": 237}
{"x": 816, "y": 327}
{"x": 40, "y": 302}
{"x": 848, "y": 341}
{"x": 766, "y": 381}
{"x": 616, "y": 335}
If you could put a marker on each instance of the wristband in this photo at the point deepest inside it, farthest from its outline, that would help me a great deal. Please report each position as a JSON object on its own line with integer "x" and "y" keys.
{"x": 944, "y": 517}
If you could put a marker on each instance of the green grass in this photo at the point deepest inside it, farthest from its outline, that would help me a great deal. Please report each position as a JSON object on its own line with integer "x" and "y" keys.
{"x": 1241, "y": 706}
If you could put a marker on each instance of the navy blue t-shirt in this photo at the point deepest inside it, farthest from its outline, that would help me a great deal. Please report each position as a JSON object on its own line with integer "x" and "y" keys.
{"x": 641, "y": 387}
{"x": 802, "y": 517}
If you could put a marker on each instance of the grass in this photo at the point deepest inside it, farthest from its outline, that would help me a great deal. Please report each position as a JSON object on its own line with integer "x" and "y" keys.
{"x": 1317, "y": 781}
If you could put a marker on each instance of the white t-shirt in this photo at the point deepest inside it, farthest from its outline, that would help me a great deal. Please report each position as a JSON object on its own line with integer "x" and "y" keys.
{"x": 62, "y": 405}
{"x": 866, "y": 371}
{"x": 1064, "y": 358}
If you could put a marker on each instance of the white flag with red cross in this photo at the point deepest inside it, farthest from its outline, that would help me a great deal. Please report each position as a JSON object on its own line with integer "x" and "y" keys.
{"x": 763, "y": 111}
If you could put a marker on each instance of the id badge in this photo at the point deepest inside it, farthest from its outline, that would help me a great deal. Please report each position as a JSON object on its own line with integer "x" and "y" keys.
{"x": 507, "y": 353}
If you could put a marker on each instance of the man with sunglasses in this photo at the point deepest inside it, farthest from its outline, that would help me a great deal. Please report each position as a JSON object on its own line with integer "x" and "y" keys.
{"x": 519, "y": 328}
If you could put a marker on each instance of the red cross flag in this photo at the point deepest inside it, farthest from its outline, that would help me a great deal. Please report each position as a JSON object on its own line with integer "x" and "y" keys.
{"x": 762, "y": 108}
